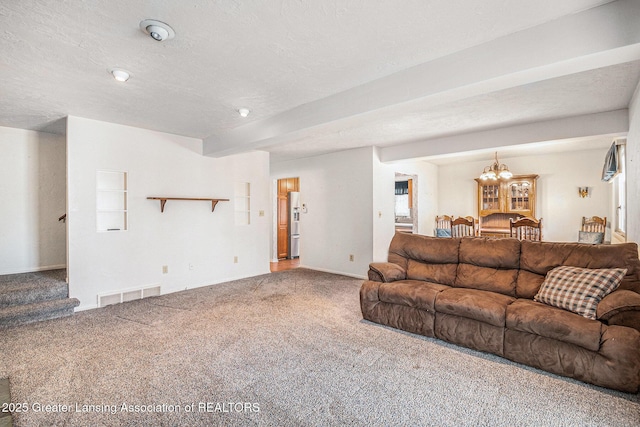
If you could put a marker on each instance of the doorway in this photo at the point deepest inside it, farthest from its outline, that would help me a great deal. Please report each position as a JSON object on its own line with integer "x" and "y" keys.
{"x": 406, "y": 203}
{"x": 283, "y": 217}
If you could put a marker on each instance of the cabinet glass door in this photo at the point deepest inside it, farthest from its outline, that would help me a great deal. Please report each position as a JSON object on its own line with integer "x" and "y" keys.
{"x": 491, "y": 197}
{"x": 519, "y": 196}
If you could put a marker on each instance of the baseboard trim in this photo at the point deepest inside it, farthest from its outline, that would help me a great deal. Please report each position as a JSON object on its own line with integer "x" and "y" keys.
{"x": 341, "y": 273}
{"x": 35, "y": 269}
{"x": 86, "y": 307}
{"x": 169, "y": 290}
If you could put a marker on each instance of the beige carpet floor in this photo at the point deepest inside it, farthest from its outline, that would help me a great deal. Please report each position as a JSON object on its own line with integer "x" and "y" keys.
{"x": 283, "y": 349}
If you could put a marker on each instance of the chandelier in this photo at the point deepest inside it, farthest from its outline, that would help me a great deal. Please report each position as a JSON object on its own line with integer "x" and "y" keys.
{"x": 495, "y": 171}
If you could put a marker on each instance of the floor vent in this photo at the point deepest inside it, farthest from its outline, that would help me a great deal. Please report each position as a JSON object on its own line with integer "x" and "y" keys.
{"x": 128, "y": 295}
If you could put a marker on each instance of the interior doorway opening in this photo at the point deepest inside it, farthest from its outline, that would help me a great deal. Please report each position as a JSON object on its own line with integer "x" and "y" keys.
{"x": 406, "y": 203}
{"x": 287, "y": 224}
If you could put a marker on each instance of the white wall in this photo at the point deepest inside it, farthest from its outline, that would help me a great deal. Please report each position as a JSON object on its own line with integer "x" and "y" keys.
{"x": 32, "y": 177}
{"x": 351, "y": 202}
{"x": 558, "y": 203}
{"x": 633, "y": 169}
{"x": 383, "y": 207}
{"x": 160, "y": 164}
{"x": 337, "y": 190}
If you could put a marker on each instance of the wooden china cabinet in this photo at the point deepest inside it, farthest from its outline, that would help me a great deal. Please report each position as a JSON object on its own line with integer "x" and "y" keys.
{"x": 502, "y": 199}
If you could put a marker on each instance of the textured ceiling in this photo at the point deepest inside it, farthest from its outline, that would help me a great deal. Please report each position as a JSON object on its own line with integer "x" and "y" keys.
{"x": 277, "y": 57}
{"x": 577, "y": 94}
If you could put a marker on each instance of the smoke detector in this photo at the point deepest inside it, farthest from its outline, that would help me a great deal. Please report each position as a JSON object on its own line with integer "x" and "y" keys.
{"x": 157, "y": 30}
{"x": 119, "y": 74}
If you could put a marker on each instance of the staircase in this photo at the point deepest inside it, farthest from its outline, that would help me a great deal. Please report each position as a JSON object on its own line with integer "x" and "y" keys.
{"x": 32, "y": 297}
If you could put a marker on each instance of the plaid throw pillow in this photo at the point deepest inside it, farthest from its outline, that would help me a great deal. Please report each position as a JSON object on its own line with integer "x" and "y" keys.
{"x": 579, "y": 289}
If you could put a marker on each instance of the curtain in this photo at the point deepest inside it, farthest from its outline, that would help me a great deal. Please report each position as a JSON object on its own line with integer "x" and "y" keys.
{"x": 610, "y": 168}
{"x": 402, "y": 187}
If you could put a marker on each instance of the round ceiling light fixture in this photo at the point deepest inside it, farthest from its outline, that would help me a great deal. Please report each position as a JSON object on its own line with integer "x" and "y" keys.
{"x": 157, "y": 30}
{"x": 244, "y": 112}
{"x": 119, "y": 74}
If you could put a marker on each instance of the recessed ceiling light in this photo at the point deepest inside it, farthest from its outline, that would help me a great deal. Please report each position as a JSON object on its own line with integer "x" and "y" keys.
{"x": 120, "y": 74}
{"x": 157, "y": 30}
{"x": 244, "y": 112}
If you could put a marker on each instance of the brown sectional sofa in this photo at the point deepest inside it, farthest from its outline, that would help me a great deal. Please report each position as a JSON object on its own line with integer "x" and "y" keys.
{"x": 478, "y": 292}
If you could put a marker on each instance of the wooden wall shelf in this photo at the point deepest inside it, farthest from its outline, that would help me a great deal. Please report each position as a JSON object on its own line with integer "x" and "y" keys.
{"x": 163, "y": 201}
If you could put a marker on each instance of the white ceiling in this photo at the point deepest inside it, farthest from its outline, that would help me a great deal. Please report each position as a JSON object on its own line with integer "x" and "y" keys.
{"x": 318, "y": 76}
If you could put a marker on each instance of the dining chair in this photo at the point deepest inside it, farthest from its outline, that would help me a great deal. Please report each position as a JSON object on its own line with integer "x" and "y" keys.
{"x": 526, "y": 228}
{"x": 443, "y": 226}
{"x": 463, "y": 227}
{"x": 592, "y": 230}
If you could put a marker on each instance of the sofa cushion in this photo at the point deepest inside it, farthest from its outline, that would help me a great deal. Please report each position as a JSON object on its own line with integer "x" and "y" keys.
{"x": 485, "y": 306}
{"x": 489, "y": 264}
{"x": 528, "y": 284}
{"x": 579, "y": 289}
{"x": 551, "y": 322}
{"x": 617, "y": 302}
{"x": 490, "y": 252}
{"x": 437, "y": 273}
{"x": 424, "y": 248}
{"x": 440, "y": 256}
{"x": 412, "y": 293}
{"x": 469, "y": 333}
{"x": 386, "y": 272}
{"x": 541, "y": 257}
{"x": 485, "y": 278}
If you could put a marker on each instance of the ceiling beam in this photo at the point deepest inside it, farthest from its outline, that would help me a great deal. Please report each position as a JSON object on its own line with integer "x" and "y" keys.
{"x": 603, "y": 36}
{"x": 613, "y": 123}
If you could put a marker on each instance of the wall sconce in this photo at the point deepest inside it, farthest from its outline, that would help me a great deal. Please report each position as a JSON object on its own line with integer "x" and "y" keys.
{"x": 584, "y": 192}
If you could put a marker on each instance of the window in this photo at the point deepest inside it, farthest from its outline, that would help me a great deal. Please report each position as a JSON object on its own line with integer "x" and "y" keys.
{"x": 620, "y": 191}
{"x": 404, "y": 195}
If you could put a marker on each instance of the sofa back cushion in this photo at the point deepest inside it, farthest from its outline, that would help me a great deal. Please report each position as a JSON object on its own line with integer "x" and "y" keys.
{"x": 538, "y": 258}
{"x": 426, "y": 258}
{"x": 489, "y": 264}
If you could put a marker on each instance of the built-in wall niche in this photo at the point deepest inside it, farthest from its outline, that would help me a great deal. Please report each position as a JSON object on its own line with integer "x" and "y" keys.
{"x": 242, "y": 203}
{"x": 111, "y": 200}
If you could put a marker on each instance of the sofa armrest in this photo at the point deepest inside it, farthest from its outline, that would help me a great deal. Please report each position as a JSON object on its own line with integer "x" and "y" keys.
{"x": 386, "y": 272}
{"x": 621, "y": 307}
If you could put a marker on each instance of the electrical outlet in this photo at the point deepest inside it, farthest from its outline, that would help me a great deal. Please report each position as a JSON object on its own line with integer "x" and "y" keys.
{"x": 235, "y": 259}
{"x": 351, "y": 257}
{"x": 165, "y": 269}
{"x": 260, "y": 213}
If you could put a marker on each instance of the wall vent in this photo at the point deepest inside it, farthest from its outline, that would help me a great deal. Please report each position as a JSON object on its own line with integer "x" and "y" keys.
{"x": 128, "y": 295}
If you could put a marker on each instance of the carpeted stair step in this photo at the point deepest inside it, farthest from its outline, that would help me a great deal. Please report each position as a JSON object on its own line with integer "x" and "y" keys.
{"x": 20, "y": 293}
{"x": 37, "y": 286}
{"x": 35, "y": 312}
